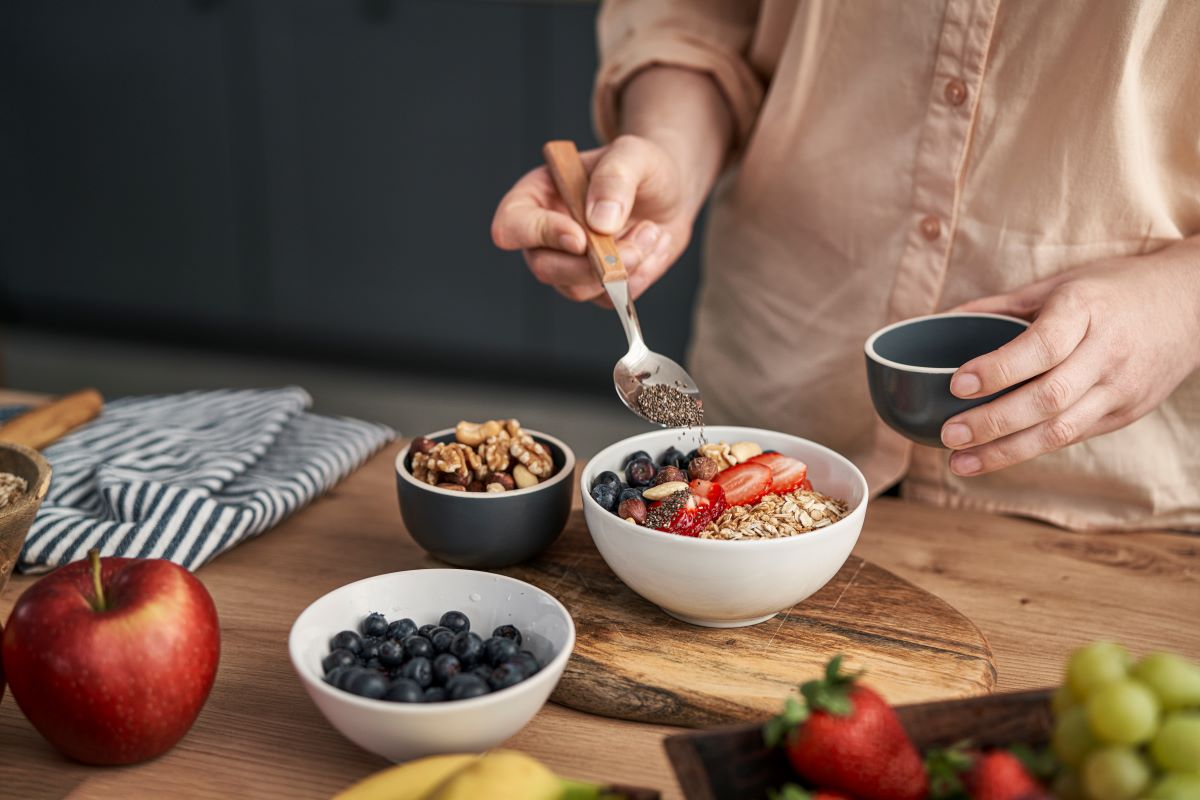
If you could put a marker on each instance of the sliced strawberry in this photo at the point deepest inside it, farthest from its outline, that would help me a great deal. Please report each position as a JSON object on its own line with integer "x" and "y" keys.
{"x": 744, "y": 483}
{"x": 787, "y": 473}
{"x": 705, "y": 503}
{"x": 805, "y": 485}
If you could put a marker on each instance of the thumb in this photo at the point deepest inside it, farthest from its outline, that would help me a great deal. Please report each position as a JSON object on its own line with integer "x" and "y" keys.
{"x": 614, "y": 183}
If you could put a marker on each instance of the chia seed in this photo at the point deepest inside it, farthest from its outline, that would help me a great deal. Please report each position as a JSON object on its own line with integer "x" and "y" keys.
{"x": 667, "y": 405}
{"x": 660, "y": 516}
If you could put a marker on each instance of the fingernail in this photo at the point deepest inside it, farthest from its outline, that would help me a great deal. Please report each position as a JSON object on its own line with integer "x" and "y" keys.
{"x": 955, "y": 434}
{"x": 605, "y": 215}
{"x": 570, "y": 243}
{"x": 965, "y": 384}
{"x": 965, "y": 464}
{"x": 647, "y": 237}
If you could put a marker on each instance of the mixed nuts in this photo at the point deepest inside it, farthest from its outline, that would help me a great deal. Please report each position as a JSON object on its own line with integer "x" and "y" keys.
{"x": 494, "y": 456}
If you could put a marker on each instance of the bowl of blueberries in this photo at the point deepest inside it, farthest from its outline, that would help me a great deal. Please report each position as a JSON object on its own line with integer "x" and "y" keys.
{"x": 430, "y": 661}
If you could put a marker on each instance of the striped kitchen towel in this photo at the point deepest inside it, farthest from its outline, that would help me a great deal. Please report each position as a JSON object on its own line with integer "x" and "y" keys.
{"x": 188, "y": 476}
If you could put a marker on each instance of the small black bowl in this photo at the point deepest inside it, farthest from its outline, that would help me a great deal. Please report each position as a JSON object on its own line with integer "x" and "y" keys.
{"x": 909, "y": 365}
{"x": 482, "y": 530}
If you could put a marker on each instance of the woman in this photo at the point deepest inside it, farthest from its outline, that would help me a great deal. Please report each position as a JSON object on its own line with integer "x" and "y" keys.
{"x": 880, "y": 161}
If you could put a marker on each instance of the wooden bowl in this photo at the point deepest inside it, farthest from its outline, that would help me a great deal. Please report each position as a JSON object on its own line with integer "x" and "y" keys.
{"x": 16, "y": 517}
{"x": 734, "y": 762}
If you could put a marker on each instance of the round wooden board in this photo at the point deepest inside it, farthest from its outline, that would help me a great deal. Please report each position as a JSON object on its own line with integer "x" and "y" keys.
{"x": 632, "y": 661}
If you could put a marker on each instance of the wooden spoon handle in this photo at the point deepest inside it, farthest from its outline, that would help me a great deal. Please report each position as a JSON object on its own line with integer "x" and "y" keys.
{"x": 571, "y": 180}
{"x": 48, "y": 423}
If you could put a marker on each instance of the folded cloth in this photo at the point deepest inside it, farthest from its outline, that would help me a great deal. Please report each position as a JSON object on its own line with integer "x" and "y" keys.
{"x": 188, "y": 476}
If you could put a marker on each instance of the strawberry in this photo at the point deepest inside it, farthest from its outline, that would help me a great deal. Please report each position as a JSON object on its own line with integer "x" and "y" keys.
{"x": 787, "y": 473}
{"x": 805, "y": 485}
{"x": 845, "y": 737}
{"x": 705, "y": 503}
{"x": 994, "y": 775}
{"x": 744, "y": 483}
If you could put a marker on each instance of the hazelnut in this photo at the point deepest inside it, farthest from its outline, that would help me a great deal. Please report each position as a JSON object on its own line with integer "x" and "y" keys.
{"x": 455, "y": 478}
{"x": 454, "y": 487}
{"x": 496, "y": 488}
{"x": 422, "y": 444}
{"x": 702, "y": 468}
{"x": 633, "y": 509}
{"x": 502, "y": 478}
{"x": 476, "y": 486}
{"x": 669, "y": 475}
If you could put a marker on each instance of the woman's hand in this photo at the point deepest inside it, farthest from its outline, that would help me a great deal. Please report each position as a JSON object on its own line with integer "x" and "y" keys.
{"x": 1108, "y": 343}
{"x": 635, "y": 195}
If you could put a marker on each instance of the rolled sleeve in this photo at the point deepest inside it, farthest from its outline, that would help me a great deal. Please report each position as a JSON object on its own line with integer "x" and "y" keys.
{"x": 710, "y": 36}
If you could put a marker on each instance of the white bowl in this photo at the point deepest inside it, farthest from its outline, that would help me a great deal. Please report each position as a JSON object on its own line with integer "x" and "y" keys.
{"x": 718, "y": 583}
{"x": 400, "y": 731}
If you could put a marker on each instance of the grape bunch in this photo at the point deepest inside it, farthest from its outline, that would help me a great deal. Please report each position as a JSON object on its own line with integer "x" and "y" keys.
{"x": 1126, "y": 730}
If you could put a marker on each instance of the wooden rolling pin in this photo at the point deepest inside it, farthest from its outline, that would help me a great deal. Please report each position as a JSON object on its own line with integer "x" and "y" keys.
{"x": 46, "y": 424}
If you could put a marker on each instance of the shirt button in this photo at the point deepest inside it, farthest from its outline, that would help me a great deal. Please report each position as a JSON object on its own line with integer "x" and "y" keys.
{"x": 931, "y": 228}
{"x": 956, "y": 92}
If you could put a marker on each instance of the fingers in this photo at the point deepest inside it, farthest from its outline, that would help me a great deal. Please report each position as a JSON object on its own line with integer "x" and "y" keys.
{"x": 1040, "y": 400}
{"x": 522, "y": 223}
{"x": 1052, "y": 337}
{"x": 647, "y": 245}
{"x": 1088, "y": 417}
{"x": 1024, "y": 302}
{"x": 613, "y": 185}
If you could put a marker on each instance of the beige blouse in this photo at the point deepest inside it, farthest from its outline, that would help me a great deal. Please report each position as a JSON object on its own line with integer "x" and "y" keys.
{"x": 896, "y": 159}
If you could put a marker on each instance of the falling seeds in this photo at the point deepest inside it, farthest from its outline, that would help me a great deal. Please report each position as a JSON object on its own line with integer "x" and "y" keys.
{"x": 667, "y": 405}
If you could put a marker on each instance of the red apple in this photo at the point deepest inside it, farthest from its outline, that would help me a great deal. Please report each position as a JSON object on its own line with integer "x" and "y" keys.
{"x": 112, "y": 659}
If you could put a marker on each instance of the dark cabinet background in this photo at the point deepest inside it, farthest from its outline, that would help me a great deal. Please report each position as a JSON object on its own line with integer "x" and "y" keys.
{"x": 317, "y": 176}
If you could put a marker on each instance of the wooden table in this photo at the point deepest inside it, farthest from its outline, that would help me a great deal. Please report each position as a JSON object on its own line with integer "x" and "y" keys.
{"x": 1035, "y": 591}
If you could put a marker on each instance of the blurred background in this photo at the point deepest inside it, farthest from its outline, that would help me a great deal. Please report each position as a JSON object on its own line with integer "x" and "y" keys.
{"x": 208, "y": 193}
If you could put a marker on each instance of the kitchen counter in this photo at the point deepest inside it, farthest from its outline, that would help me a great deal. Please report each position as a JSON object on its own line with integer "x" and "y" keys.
{"x": 1034, "y": 591}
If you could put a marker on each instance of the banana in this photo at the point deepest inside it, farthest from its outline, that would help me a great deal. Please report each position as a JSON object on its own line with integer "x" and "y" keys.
{"x": 501, "y": 775}
{"x": 411, "y": 781}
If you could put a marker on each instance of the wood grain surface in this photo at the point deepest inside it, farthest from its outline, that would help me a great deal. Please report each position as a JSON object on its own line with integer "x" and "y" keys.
{"x": 1034, "y": 591}
{"x": 632, "y": 661}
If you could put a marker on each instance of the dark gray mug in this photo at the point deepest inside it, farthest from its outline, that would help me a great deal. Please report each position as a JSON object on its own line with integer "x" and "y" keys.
{"x": 909, "y": 365}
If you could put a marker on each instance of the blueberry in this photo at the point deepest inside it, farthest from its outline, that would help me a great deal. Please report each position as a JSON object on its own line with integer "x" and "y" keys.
{"x": 425, "y": 630}
{"x": 497, "y": 650}
{"x": 348, "y": 640}
{"x": 368, "y": 684}
{"x": 402, "y": 690}
{"x": 640, "y": 472}
{"x": 636, "y": 455}
{"x": 375, "y": 624}
{"x": 629, "y": 493}
{"x": 527, "y": 662}
{"x": 434, "y": 694}
{"x": 464, "y": 687}
{"x": 692, "y": 455}
{"x": 344, "y": 679}
{"x": 455, "y": 621}
{"x": 420, "y": 670}
{"x": 508, "y": 632}
{"x": 608, "y": 476}
{"x": 401, "y": 629}
{"x": 391, "y": 654}
{"x": 337, "y": 673}
{"x": 418, "y": 646}
{"x": 504, "y": 676}
{"x": 467, "y": 647}
{"x": 338, "y": 658}
{"x": 375, "y": 664}
{"x": 673, "y": 458}
{"x": 370, "y": 648}
{"x": 769, "y": 452}
{"x": 445, "y": 667}
{"x": 605, "y": 494}
{"x": 441, "y": 638}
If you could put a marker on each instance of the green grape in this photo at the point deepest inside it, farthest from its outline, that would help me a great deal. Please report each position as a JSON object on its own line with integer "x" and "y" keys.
{"x": 1115, "y": 773}
{"x": 1094, "y": 665}
{"x": 1176, "y": 786}
{"x": 1067, "y": 786}
{"x": 1062, "y": 700}
{"x": 1175, "y": 680}
{"x": 1176, "y": 746}
{"x": 1123, "y": 712}
{"x": 1073, "y": 738}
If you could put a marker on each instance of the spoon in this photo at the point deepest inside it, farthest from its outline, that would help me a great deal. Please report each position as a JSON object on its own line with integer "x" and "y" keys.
{"x": 640, "y": 368}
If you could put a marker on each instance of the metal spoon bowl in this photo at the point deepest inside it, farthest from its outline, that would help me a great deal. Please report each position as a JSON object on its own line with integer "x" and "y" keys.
{"x": 640, "y": 367}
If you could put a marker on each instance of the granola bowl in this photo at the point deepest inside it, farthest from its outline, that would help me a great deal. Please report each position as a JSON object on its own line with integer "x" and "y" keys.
{"x": 727, "y": 583}
{"x": 485, "y": 530}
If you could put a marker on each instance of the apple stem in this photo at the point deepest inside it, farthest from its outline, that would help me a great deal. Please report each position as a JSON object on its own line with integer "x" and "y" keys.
{"x": 98, "y": 603}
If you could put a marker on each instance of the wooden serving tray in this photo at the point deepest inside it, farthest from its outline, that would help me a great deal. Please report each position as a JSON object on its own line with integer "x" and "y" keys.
{"x": 633, "y": 661}
{"x": 734, "y": 762}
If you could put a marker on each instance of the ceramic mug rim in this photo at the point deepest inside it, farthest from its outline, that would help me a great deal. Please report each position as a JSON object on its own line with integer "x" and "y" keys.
{"x": 869, "y": 347}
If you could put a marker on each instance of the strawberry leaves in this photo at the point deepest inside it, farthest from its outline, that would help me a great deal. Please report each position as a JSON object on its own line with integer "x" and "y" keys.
{"x": 783, "y": 725}
{"x": 832, "y": 693}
